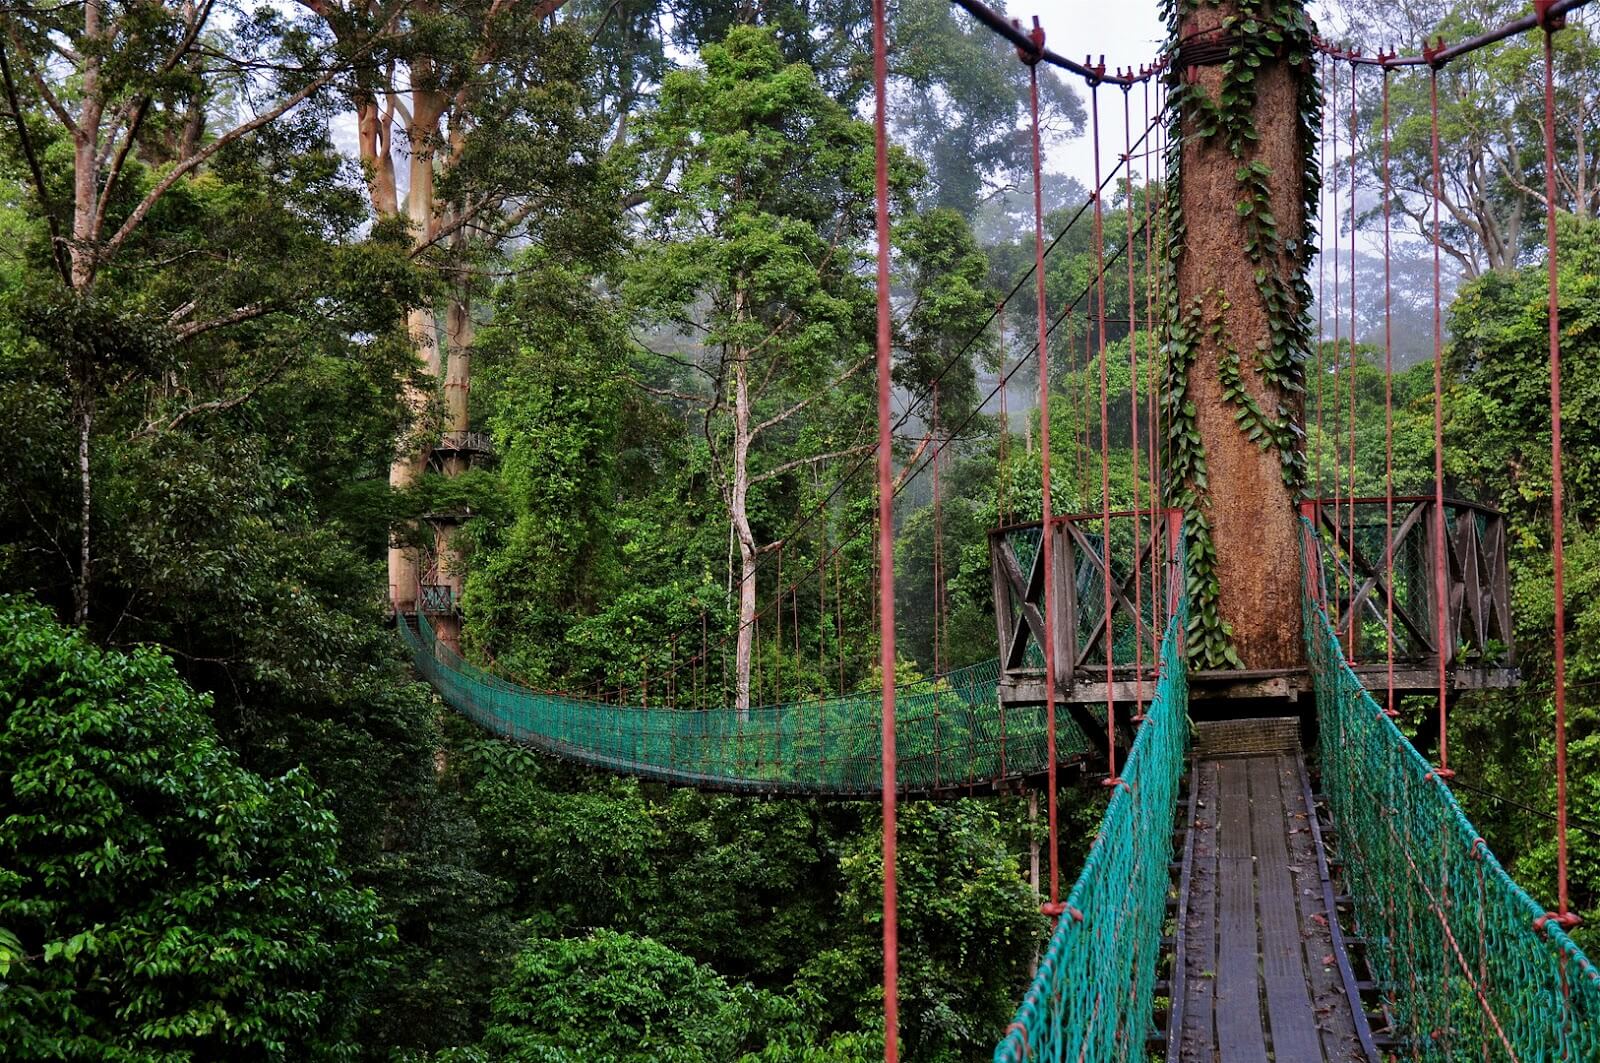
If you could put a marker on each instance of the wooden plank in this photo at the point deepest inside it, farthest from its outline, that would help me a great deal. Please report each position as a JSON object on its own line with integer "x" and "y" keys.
{"x": 1178, "y": 991}
{"x": 1345, "y": 1032}
{"x": 1283, "y": 960}
{"x": 1240, "y": 1032}
{"x": 1199, "y": 974}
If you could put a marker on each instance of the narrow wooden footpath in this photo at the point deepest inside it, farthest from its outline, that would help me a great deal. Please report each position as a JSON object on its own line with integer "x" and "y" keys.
{"x": 1259, "y": 954}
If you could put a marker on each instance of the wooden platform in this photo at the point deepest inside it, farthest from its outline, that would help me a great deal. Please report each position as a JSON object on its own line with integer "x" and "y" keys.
{"x": 1263, "y": 975}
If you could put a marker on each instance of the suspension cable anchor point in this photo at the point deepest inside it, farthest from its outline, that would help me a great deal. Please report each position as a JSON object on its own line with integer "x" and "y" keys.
{"x": 1547, "y": 20}
{"x": 1565, "y": 920}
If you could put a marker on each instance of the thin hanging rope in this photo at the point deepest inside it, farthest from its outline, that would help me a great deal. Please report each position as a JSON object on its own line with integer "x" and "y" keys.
{"x": 1046, "y": 536}
{"x": 1441, "y": 606}
{"x": 891, "y": 927}
{"x": 1564, "y": 914}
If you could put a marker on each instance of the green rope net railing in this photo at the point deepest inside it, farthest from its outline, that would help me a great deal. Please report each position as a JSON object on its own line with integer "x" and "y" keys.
{"x": 1467, "y": 966}
{"x": 1093, "y": 996}
{"x": 952, "y": 731}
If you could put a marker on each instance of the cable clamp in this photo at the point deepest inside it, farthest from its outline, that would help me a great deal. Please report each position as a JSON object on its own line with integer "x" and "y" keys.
{"x": 1430, "y": 53}
{"x": 1031, "y": 58}
{"x": 1565, "y": 920}
{"x": 1547, "y": 21}
{"x": 1116, "y": 780}
{"x": 1478, "y": 849}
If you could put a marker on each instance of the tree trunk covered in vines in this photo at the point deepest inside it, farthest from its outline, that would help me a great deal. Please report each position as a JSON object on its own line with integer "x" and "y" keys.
{"x": 1245, "y": 103}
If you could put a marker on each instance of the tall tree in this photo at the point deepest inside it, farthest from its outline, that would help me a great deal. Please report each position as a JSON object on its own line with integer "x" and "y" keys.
{"x": 755, "y": 239}
{"x": 112, "y": 80}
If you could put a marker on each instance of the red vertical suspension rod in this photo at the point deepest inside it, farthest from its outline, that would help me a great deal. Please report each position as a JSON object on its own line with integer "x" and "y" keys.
{"x": 1133, "y": 412}
{"x": 1350, "y": 650}
{"x": 1563, "y": 915}
{"x": 1045, "y": 544}
{"x": 1105, "y": 445}
{"x": 891, "y": 927}
{"x": 1388, "y": 415}
{"x": 1441, "y": 607}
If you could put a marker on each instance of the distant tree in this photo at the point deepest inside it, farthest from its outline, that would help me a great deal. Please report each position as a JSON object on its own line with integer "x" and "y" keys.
{"x": 165, "y": 902}
{"x": 758, "y": 231}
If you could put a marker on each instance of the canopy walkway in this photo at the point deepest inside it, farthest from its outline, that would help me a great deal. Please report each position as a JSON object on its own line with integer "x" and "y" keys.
{"x": 1230, "y": 945}
{"x": 1236, "y": 904}
{"x": 954, "y": 734}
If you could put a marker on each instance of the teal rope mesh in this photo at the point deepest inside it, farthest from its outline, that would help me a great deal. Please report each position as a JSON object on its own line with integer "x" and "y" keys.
{"x": 1093, "y": 996}
{"x": 1453, "y": 945}
{"x": 951, "y": 731}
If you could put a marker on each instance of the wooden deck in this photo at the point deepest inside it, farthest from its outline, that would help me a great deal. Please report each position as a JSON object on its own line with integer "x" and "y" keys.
{"x": 1262, "y": 974}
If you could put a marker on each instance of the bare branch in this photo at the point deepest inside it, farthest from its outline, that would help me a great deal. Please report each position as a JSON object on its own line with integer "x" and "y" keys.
{"x": 215, "y": 405}
{"x": 232, "y": 317}
{"x": 813, "y": 459}
{"x": 779, "y": 418}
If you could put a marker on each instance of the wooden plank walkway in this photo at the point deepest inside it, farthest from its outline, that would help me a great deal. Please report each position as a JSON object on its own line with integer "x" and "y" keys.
{"x": 1261, "y": 979}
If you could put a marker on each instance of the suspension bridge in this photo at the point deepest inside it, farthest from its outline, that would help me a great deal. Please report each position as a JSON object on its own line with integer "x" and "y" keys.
{"x": 1279, "y": 872}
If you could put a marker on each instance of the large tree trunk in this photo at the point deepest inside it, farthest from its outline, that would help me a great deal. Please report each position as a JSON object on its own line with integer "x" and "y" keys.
{"x": 1252, "y": 510}
{"x": 458, "y": 368}
{"x": 412, "y": 458}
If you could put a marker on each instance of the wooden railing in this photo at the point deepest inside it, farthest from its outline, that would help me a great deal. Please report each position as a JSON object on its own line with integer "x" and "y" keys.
{"x": 1143, "y": 593}
{"x": 1355, "y": 543}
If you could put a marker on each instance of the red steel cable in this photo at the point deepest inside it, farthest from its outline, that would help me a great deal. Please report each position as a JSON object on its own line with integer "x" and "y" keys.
{"x": 1564, "y": 914}
{"x": 1133, "y": 413}
{"x": 1150, "y": 383}
{"x": 1388, "y": 415}
{"x": 1002, "y": 507}
{"x": 1322, "y": 301}
{"x": 1045, "y": 538}
{"x": 891, "y": 926}
{"x": 1105, "y": 449}
{"x": 1354, "y": 364}
{"x": 1338, "y": 337}
{"x": 1441, "y": 607}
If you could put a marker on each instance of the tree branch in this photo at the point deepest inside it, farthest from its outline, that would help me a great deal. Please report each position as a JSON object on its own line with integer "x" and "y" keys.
{"x": 779, "y": 418}
{"x": 215, "y": 405}
{"x": 813, "y": 459}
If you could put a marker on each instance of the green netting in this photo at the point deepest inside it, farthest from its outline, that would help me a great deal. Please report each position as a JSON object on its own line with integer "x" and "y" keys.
{"x": 1093, "y": 995}
{"x": 1452, "y": 939}
{"x": 951, "y": 731}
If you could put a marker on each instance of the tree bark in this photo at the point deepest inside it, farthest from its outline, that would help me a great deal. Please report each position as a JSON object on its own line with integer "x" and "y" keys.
{"x": 1254, "y": 523}
{"x": 738, "y": 509}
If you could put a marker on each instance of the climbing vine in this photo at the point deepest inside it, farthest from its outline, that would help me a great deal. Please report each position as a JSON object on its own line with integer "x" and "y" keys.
{"x": 1257, "y": 33}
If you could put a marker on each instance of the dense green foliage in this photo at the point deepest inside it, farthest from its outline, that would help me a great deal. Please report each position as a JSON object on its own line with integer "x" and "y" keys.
{"x": 165, "y": 901}
{"x": 233, "y": 825}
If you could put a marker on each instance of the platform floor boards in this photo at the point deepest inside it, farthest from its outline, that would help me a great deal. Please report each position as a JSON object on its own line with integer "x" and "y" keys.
{"x": 1260, "y": 982}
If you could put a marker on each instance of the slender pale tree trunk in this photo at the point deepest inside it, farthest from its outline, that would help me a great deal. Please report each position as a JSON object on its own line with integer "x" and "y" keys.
{"x": 738, "y": 509}
{"x": 85, "y": 205}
